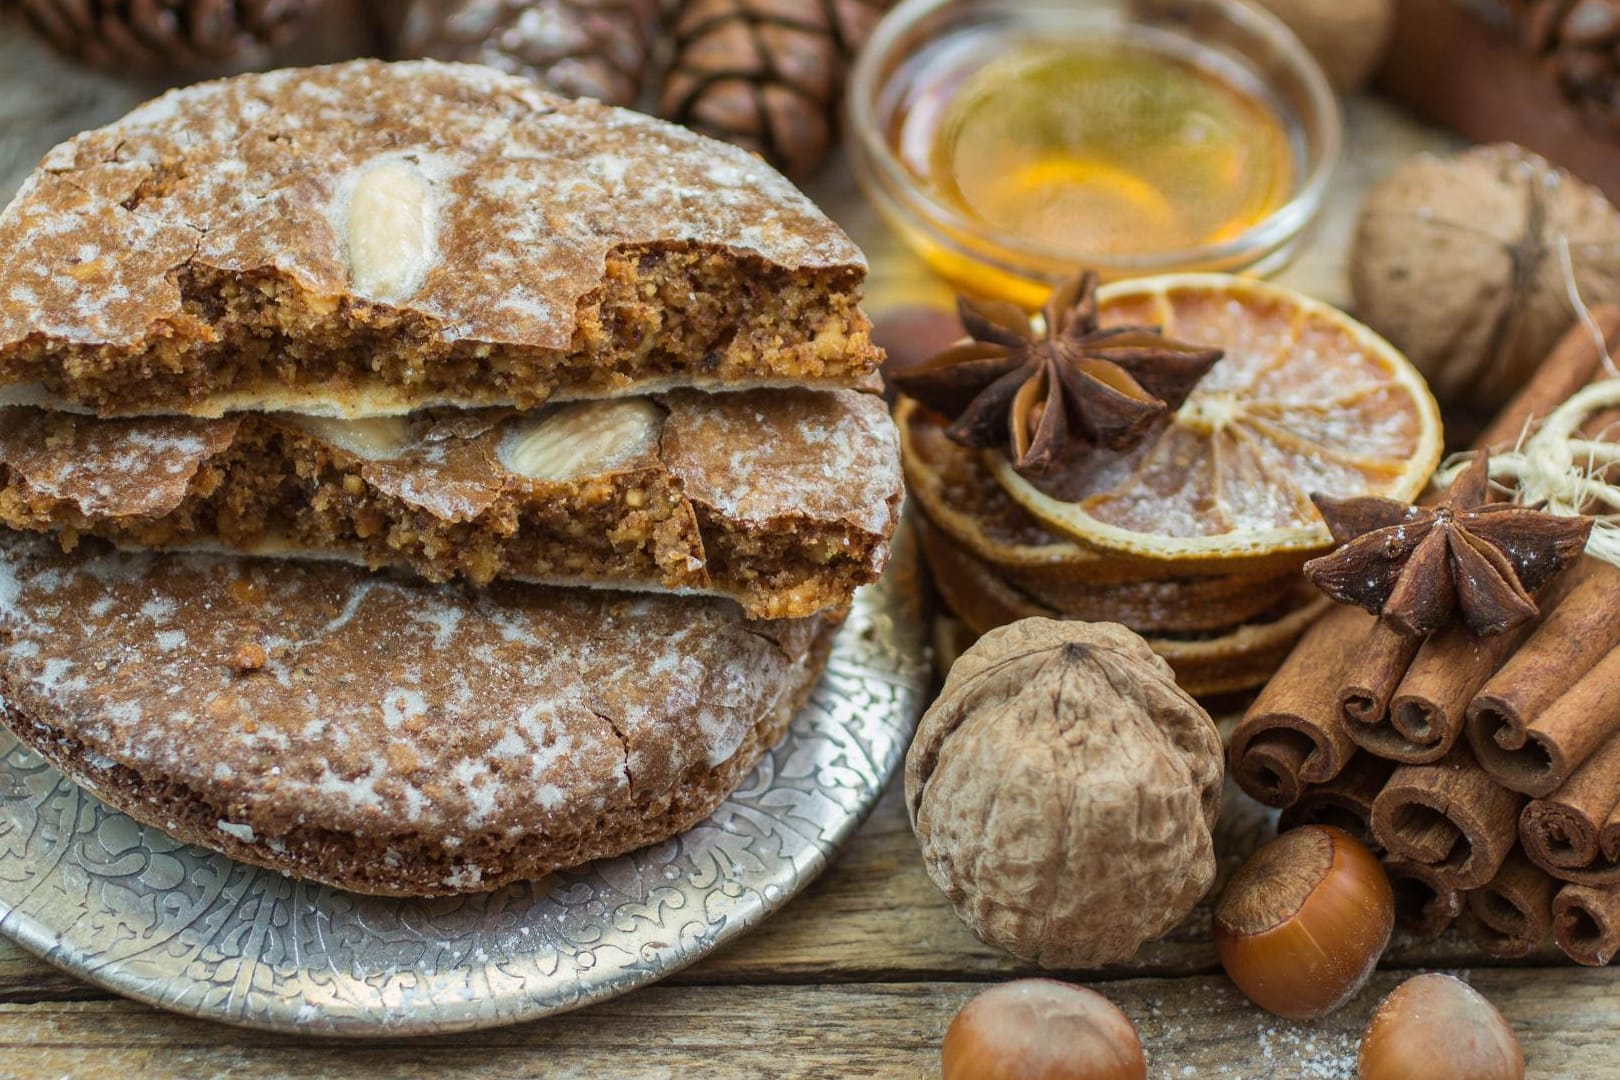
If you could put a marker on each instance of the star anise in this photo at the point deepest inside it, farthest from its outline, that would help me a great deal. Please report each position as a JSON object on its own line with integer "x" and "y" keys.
{"x": 1034, "y": 391}
{"x": 1419, "y": 566}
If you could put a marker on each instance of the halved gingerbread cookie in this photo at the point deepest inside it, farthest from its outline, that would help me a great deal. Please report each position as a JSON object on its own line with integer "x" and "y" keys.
{"x": 368, "y": 239}
{"x": 784, "y": 500}
{"x": 383, "y": 735}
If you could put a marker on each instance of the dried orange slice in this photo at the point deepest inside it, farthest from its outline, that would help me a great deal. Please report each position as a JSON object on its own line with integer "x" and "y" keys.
{"x": 1305, "y": 400}
{"x": 1218, "y": 662}
{"x": 964, "y": 500}
{"x": 1196, "y": 605}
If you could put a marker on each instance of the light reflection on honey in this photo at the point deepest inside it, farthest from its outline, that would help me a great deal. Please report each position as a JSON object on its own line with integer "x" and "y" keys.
{"x": 1096, "y": 147}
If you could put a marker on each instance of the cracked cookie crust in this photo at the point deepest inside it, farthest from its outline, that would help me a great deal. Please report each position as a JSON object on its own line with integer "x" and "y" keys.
{"x": 383, "y": 735}
{"x": 369, "y": 239}
{"x": 782, "y": 500}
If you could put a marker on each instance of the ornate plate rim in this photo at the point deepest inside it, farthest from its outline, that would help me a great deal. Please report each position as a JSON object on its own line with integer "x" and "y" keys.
{"x": 882, "y": 644}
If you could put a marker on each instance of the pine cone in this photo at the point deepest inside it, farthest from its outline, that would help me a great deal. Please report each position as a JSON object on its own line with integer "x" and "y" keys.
{"x": 766, "y": 74}
{"x": 1581, "y": 41}
{"x": 149, "y": 34}
{"x": 583, "y": 48}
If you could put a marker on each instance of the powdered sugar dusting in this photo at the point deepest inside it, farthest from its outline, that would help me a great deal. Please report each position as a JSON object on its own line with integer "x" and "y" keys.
{"x": 528, "y": 194}
{"x": 833, "y": 456}
{"x": 128, "y": 467}
{"x": 383, "y": 705}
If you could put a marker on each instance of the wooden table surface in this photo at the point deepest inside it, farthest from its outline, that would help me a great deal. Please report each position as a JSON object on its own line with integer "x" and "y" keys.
{"x": 859, "y": 976}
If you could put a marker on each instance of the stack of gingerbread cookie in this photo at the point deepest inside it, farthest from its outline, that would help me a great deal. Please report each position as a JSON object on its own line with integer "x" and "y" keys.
{"x": 419, "y": 482}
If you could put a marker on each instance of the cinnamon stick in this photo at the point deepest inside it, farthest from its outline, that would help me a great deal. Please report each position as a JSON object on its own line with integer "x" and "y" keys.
{"x": 1573, "y": 362}
{"x": 1345, "y": 802}
{"x": 1425, "y": 902}
{"x": 1574, "y": 833}
{"x": 1269, "y": 764}
{"x": 1379, "y": 663}
{"x": 1427, "y": 715}
{"x": 1537, "y": 758}
{"x": 1294, "y": 733}
{"x": 1450, "y": 815}
{"x": 1511, "y": 915}
{"x": 1427, "y": 709}
{"x": 1586, "y": 923}
{"x": 1568, "y": 646}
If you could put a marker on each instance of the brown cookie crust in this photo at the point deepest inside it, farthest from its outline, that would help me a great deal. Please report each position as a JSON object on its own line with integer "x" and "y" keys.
{"x": 383, "y": 734}
{"x": 421, "y": 868}
{"x": 784, "y": 500}
{"x": 372, "y": 238}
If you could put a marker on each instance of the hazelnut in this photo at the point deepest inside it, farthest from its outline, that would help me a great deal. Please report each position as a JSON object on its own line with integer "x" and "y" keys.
{"x": 1041, "y": 1029}
{"x": 1062, "y": 789}
{"x": 1435, "y": 1027}
{"x": 1303, "y": 922}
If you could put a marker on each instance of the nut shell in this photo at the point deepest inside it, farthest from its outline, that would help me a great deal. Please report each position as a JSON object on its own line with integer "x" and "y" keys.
{"x": 1303, "y": 922}
{"x": 1063, "y": 789}
{"x": 1041, "y": 1029}
{"x": 1459, "y": 262}
{"x": 1436, "y": 1027}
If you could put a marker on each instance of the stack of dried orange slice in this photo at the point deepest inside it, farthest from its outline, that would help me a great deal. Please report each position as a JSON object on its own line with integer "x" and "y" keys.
{"x": 1195, "y": 536}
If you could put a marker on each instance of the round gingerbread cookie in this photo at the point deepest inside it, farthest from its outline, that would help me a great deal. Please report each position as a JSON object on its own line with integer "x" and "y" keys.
{"x": 383, "y": 735}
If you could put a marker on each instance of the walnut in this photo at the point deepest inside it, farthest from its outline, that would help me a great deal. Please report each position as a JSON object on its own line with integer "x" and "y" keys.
{"x": 1347, "y": 37}
{"x": 1460, "y": 261}
{"x": 1062, "y": 789}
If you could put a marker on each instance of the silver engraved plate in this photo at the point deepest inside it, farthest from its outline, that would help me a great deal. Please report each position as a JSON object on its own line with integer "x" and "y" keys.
{"x": 126, "y": 907}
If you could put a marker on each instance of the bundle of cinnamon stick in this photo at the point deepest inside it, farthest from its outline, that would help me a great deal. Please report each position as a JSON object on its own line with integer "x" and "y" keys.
{"x": 1485, "y": 771}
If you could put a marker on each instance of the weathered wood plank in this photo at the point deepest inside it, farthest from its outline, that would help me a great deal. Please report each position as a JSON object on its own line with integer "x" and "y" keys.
{"x": 876, "y": 916}
{"x": 25, "y": 978}
{"x": 1196, "y": 1026}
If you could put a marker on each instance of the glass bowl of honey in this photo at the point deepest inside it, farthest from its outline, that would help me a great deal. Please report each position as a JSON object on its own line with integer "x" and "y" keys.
{"x": 1011, "y": 141}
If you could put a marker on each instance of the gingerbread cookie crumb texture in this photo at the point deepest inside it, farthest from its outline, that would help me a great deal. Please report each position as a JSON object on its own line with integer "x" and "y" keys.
{"x": 719, "y": 494}
{"x": 367, "y": 239}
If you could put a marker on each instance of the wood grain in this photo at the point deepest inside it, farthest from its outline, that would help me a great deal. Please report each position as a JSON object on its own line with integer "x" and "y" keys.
{"x": 1190, "y": 1027}
{"x": 876, "y": 917}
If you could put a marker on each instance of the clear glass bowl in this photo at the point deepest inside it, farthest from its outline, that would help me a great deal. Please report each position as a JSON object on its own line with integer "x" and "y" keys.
{"x": 1226, "y": 34}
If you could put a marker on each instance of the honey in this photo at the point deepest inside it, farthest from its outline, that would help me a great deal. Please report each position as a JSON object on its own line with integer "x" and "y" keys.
{"x": 1124, "y": 145}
